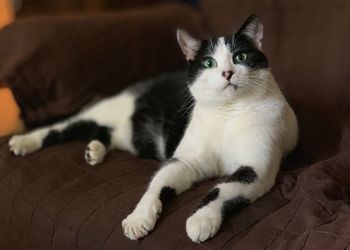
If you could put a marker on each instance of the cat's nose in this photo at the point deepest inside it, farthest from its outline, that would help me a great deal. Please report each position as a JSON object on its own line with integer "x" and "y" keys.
{"x": 227, "y": 74}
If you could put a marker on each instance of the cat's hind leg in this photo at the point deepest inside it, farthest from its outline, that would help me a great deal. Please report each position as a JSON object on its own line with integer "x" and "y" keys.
{"x": 99, "y": 138}
{"x": 32, "y": 141}
{"x": 70, "y": 130}
{"x": 105, "y": 139}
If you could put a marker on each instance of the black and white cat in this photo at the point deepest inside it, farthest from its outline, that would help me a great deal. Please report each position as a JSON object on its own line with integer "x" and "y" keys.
{"x": 225, "y": 117}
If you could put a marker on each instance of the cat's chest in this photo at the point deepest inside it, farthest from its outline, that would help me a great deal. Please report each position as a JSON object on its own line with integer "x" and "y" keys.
{"x": 219, "y": 133}
{"x": 211, "y": 129}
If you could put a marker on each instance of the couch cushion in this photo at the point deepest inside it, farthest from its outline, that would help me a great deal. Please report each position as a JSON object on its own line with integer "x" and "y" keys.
{"x": 53, "y": 199}
{"x": 55, "y": 65}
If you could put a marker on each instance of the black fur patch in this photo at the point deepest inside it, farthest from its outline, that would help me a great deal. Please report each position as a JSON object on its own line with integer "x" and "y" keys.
{"x": 211, "y": 196}
{"x": 81, "y": 130}
{"x": 238, "y": 43}
{"x": 233, "y": 206}
{"x": 167, "y": 194}
{"x": 242, "y": 43}
{"x": 244, "y": 174}
{"x": 163, "y": 107}
{"x": 195, "y": 67}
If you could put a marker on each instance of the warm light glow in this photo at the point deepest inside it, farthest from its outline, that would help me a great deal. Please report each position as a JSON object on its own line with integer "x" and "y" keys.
{"x": 10, "y": 121}
{"x": 6, "y": 12}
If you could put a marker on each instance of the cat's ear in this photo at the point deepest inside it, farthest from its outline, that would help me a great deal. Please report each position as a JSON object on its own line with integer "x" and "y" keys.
{"x": 188, "y": 44}
{"x": 253, "y": 28}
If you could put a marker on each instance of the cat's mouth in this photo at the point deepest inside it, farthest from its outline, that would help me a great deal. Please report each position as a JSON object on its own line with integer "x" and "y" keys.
{"x": 230, "y": 85}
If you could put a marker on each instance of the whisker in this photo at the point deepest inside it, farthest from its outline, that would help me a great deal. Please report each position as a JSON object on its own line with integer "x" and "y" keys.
{"x": 188, "y": 104}
{"x": 254, "y": 82}
{"x": 211, "y": 43}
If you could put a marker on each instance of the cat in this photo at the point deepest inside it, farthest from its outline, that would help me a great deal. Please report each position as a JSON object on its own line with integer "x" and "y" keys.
{"x": 224, "y": 117}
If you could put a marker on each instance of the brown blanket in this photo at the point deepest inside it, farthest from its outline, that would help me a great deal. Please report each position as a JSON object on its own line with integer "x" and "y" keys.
{"x": 54, "y": 200}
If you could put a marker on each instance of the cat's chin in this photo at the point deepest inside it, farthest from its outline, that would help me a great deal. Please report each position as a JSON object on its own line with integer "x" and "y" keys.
{"x": 229, "y": 91}
{"x": 225, "y": 92}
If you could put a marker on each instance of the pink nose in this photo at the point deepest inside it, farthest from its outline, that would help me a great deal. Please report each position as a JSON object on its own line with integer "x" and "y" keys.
{"x": 227, "y": 74}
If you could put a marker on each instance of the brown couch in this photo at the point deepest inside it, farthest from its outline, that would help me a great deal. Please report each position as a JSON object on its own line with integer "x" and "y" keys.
{"x": 53, "y": 200}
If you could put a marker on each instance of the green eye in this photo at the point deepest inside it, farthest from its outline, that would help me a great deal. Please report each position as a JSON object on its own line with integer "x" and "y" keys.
{"x": 240, "y": 57}
{"x": 209, "y": 63}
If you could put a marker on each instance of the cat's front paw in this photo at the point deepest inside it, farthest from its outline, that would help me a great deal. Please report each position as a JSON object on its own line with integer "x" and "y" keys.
{"x": 95, "y": 152}
{"x": 23, "y": 144}
{"x": 142, "y": 220}
{"x": 203, "y": 224}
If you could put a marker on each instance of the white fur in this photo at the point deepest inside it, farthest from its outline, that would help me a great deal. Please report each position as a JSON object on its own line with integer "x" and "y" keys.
{"x": 23, "y": 145}
{"x": 204, "y": 224}
{"x": 143, "y": 218}
{"x": 115, "y": 112}
{"x": 95, "y": 152}
{"x": 230, "y": 127}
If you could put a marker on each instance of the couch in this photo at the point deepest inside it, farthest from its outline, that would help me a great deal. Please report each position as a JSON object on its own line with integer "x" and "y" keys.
{"x": 52, "y": 199}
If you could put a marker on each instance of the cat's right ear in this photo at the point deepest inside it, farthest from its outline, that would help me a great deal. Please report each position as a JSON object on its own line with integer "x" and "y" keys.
{"x": 188, "y": 44}
{"x": 253, "y": 28}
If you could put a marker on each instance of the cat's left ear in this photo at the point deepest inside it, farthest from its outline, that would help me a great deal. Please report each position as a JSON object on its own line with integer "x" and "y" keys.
{"x": 188, "y": 44}
{"x": 253, "y": 28}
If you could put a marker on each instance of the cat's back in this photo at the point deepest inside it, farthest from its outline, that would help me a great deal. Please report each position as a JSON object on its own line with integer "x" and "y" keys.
{"x": 167, "y": 83}
{"x": 167, "y": 91}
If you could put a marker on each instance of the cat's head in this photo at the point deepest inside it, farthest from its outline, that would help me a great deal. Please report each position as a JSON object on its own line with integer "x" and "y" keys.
{"x": 225, "y": 68}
